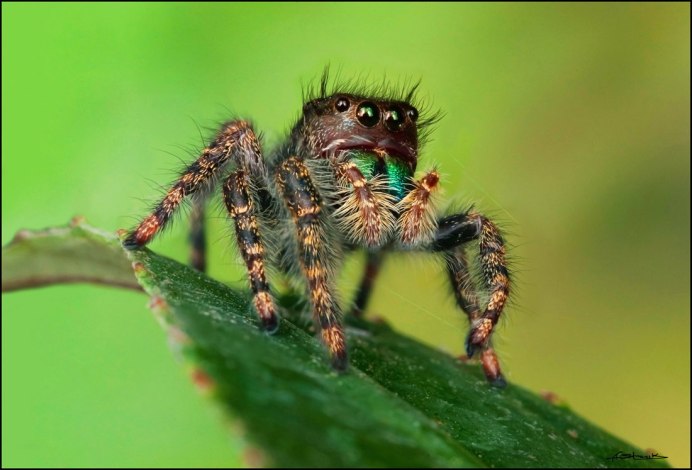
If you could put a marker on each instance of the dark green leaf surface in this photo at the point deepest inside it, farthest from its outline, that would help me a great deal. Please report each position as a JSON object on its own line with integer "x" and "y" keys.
{"x": 400, "y": 404}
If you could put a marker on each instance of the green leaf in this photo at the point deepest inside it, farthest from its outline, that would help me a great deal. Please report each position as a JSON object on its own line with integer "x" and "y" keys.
{"x": 77, "y": 253}
{"x": 401, "y": 403}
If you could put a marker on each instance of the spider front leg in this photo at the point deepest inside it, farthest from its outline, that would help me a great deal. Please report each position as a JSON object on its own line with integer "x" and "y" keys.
{"x": 467, "y": 299}
{"x": 306, "y": 208}
{"x": 236, "y": 139}
{"x": 452, "y": 232}
{"x": 418, "y": 227}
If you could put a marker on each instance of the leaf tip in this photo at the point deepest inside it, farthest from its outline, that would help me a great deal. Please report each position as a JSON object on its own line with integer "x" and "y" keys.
{"x": 22, "y": 234}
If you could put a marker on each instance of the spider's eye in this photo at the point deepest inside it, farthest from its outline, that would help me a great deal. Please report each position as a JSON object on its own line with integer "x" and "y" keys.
{"x": 342, "y": 104}
{"x": 368, "y": 114}
{"x": 412, "y": 114}
{"x": 394, "y": 118}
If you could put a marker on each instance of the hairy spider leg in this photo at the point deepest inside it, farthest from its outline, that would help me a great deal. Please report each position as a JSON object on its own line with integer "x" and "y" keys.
{"x": 467, "y": 299}
{"x": 236, "y": 141}
{"x": 243, "y": 211}
{"x": 306, "y": 208}
{"x": 455, "y": 230}
{"x": 462, "y": 283}
{"x": 373, "y": 264}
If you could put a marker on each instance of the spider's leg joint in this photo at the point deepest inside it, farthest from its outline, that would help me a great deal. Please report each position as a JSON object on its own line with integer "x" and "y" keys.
{"x": 455, "y": 230}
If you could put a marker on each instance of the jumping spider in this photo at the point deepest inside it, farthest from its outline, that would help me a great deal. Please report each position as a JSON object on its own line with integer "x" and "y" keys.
{"x": 342, "y": 180}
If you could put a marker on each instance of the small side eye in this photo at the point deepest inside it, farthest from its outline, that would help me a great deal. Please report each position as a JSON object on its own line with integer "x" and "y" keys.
{"x": 368, "y": 114}
{"x": 394, "y": 118}
{"x": 342, "y": 104}
{"x": 412, "y": 114}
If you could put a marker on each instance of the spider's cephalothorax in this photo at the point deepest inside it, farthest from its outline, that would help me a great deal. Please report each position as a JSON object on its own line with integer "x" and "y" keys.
{"x": 343, "y": 180}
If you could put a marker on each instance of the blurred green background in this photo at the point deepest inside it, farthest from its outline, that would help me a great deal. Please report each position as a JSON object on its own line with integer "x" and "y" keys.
{"x": 568, "y": 123}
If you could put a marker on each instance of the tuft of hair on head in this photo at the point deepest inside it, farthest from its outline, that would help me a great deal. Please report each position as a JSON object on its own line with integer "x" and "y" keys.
{"x": 324, "y": 81}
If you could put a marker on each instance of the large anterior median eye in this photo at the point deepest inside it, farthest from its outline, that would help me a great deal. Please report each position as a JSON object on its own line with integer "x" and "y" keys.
{"x": 368, "y": 114}
{"x": 394, "y": 118}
